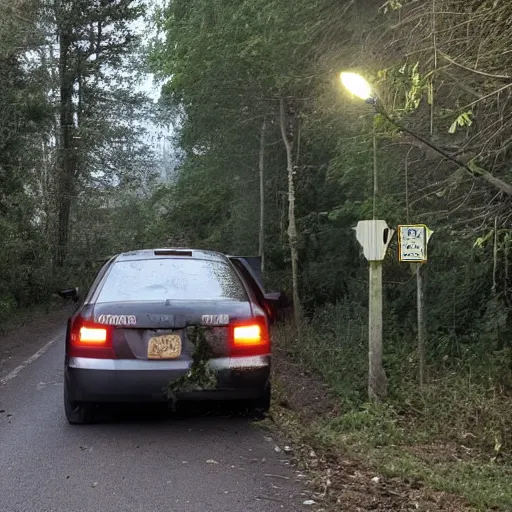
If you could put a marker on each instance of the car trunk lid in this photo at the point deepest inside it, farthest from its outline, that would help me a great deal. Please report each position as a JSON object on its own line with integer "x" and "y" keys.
{"x": 139, "y": 327}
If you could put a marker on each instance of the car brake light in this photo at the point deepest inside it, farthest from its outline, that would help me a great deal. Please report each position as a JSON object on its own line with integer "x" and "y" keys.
{"x": 90, "y": 339}
{"x": 250, "y": 338}
{"x": 172, "y": 252}
{"x": 93, "y": 335}
{"x": 247, "y": 335}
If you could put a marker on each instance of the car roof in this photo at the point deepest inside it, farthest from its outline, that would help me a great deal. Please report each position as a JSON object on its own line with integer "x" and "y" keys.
{"x": 170, "y": 252}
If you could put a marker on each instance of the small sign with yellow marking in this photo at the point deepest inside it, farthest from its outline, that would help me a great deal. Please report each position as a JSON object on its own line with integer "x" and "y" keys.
{"x": 412, "y": 242}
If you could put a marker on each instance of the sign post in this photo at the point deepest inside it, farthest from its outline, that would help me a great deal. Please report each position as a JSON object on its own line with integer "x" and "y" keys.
{"x": 412, "y": 243}
{"x": 375, "y": 236}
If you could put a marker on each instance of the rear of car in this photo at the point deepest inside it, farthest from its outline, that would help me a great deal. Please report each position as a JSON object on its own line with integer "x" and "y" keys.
{"x": 155, "y": 321}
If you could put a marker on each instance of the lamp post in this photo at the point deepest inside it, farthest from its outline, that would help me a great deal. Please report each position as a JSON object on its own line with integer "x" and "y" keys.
{"x": 359, "y": 86}
{"x": 374, "y": 236}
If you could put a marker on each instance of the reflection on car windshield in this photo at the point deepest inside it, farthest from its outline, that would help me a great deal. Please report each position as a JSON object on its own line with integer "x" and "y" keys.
{"x": 171, "y": 279}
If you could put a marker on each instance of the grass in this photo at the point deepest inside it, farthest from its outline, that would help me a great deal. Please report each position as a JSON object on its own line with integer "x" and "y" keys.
{"x": 454, "y": 435}
{"x": 484, "y": 485}
{"x": 19, "y": 317}
{"x": 379, "y": 442}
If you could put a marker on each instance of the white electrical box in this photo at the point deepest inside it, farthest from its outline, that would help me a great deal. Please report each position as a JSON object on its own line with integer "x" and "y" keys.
{"x": 374, "y": 236}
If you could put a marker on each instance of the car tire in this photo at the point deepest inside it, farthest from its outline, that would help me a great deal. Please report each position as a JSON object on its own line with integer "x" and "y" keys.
{"x": 260, "y": 406}
{"x": 262, "y": 403}
{"x": 78, "y": 413}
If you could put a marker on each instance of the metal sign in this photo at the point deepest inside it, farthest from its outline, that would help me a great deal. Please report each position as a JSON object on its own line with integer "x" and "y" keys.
{"x": 412, "y": 242}
{"x": 374, "y": 236}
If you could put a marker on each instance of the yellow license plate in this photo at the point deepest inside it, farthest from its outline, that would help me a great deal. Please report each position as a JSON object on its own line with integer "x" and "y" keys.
{"x": 167, "y": 346}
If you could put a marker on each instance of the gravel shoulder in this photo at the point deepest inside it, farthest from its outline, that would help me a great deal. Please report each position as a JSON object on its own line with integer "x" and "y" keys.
{"x": 344, "y": 480}
{"x": 27, "y": 333}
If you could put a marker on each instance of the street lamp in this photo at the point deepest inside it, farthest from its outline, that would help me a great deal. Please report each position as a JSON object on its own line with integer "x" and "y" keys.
{"x": 358, "y": 86}
{"x": 374, "y": 236}
{"x": 368, "y": 233}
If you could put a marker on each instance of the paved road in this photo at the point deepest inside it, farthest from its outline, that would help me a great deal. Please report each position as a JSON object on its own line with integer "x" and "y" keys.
{"x": 185, "y": 464}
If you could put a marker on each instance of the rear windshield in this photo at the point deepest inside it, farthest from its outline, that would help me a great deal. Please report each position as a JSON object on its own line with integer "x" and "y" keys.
{"x": 173, "y": 279}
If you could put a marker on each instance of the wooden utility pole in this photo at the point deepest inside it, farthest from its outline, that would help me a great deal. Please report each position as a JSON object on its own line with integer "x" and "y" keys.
{"x": 375, "y": 236}
{"x": 377, "y": 380}
{"x": 421, "y": 323}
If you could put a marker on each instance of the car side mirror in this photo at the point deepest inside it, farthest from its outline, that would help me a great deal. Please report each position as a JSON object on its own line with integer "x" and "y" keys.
{"x": 273, "y": 297}
{"x": 70, "y": 293}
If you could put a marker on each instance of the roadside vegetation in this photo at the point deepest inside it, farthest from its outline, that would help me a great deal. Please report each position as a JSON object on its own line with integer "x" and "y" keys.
{"x": 446, "y": 437}
{"x": 76, "y": 156}
{"x": 273, "y": 157}
{"x": 257, "y": 86}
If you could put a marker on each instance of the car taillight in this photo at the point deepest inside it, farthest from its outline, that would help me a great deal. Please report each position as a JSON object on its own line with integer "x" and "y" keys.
{"x": 244, "y": 335}
{"x": 89, "y": 339}
{"x": 250, "y": 337}
{"x": 93, "y": 336}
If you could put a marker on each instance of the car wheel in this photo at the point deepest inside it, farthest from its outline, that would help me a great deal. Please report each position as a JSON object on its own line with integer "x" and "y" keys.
{"x": 262, "y": 403}
{"x": 78, "y": 413}
{"x": 258, "y": 407}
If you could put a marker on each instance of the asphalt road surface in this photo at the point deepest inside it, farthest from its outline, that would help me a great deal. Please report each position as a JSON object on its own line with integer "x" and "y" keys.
{"x": 185, "y": 463}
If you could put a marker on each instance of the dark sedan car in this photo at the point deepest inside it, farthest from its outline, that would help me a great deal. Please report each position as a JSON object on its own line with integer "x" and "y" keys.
{"x": 165, "y": 324}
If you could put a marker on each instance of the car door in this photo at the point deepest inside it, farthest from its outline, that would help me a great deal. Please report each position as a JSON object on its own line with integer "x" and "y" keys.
{"x": 250, "y": 269}
{"x": 250, "y": 266}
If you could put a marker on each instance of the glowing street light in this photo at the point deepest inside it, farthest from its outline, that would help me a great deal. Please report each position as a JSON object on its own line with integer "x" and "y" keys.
{"x": 358, "y": 86}
{"x": 370, "y": 235}
{"x": 374, "y": 235}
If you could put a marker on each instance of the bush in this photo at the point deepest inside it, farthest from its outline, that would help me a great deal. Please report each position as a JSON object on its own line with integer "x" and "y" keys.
{"x": 464, "y": 401}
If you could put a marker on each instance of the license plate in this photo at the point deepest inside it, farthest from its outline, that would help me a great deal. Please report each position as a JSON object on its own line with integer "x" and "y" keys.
{"x": 167, "y": 346}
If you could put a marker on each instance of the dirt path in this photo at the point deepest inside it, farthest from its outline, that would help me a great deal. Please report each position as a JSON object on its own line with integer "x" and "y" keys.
{"x": 343, "y": 483}
{"x": 28, "y": 334}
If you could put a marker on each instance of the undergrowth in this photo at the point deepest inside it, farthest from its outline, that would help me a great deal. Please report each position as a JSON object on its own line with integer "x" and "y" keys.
{"x": 454, "y": 434}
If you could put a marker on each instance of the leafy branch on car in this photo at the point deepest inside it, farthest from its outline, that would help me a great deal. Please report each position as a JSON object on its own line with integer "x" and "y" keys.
{"x": 200, "y": 375}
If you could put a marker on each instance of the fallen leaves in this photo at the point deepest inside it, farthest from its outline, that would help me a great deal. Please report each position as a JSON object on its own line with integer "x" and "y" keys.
{"x": 340, "y": 483}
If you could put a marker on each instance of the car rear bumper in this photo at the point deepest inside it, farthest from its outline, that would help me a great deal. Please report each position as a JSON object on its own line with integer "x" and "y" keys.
{"x": 134, "y": 380}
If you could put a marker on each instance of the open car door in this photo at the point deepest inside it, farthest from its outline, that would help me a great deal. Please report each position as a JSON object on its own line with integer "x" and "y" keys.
{"x": 250, "y": 267}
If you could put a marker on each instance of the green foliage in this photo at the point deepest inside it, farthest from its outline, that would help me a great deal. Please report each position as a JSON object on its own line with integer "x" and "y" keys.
{"x": 462, "y": 120}
{"x": 475, "y": 411}
{"x": 200, "y": 375}
{"x": 335, "y": 346}
{"x": 392, "y": 5}
{"x": 113, "y": 164}
{"x": 372, "y": 425}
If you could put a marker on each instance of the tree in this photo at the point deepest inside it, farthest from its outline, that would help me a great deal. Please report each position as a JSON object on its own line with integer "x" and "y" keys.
{"x": 94, "y": 40}
{"x": 84, "y": 98}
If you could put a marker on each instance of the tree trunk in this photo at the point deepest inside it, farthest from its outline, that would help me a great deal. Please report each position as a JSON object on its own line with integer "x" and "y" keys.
{"x": 262, "y": 196}
{"x": 292, "y": 225}
{"x": 66, "y": 174}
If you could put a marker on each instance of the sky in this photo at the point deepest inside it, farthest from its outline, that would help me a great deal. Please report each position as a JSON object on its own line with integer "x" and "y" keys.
{"x": 159, "y": 138}
{"x": 146, "y": 29}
